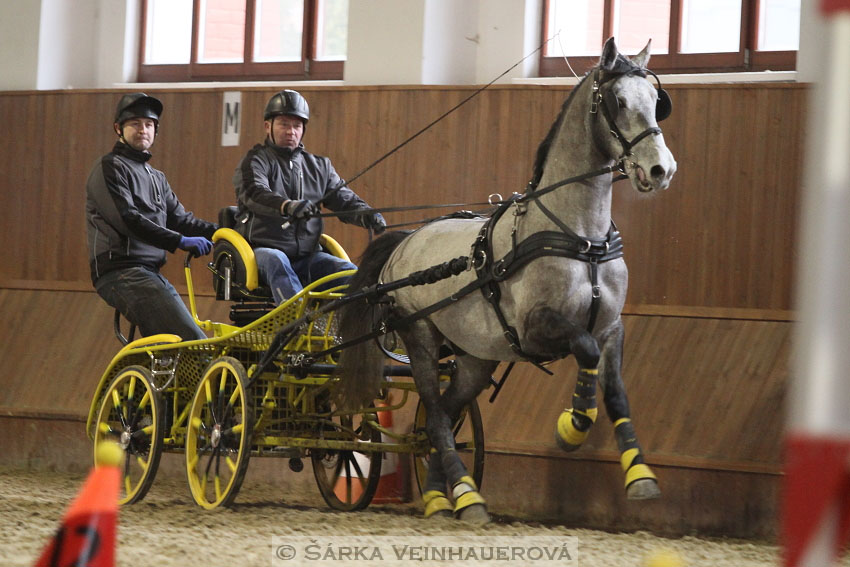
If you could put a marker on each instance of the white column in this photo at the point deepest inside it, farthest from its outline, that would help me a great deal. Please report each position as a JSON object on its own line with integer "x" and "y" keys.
{"x": 19, "y": 23}
{"x": 385, "y": 42}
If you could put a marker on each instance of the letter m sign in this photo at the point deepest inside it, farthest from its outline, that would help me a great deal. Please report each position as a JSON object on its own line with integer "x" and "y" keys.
{"x": 231, "y": 118}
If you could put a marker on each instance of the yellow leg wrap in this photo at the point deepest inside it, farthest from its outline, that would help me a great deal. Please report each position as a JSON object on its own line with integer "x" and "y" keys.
{"x": 628, "y": 457}
{"x": 568, "y": 432}
{"x": 435, "y": 501}
{"x": 467, "y": 499}
{"x": 639, "y": 472}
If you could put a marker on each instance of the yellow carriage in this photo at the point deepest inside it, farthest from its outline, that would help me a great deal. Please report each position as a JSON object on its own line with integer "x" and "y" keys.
{"x": 220, "y": 403}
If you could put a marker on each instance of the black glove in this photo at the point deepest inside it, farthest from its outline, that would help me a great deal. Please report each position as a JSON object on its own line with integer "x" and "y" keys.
{"x": 300, "y": 209}
{"x": 197, "y": 245}
{"x": 374, "y": 220}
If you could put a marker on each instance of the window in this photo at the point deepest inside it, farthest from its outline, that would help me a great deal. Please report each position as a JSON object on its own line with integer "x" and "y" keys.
{"x": 195, "y": 40}
{"x": 688, "y": 36}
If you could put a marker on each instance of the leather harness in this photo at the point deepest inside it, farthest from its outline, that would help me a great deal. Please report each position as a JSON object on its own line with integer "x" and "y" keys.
{"x": 564, "y": 244}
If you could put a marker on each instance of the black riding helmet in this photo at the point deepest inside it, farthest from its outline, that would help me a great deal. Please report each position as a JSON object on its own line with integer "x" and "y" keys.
{"x": 138, "y": 105}
{"x": 287, "y": 102}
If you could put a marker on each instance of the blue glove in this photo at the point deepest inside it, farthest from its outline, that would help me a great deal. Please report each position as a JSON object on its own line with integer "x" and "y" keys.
{"x": 374, "y": 220}
{"x": 197, "y": 245}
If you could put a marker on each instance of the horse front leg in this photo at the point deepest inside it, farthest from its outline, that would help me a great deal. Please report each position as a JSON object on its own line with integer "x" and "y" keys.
{"x": 640, "y": 481}
{"x": 550, "y": 333}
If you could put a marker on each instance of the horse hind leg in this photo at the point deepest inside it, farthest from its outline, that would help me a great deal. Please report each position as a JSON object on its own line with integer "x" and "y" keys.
{"x": 435, "y": 496}
{"x": 470, "y": 379}
{"x": 549, "y": 332}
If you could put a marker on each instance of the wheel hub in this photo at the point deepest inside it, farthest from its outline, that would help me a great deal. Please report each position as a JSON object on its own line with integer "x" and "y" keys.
{"x": 215, "y": 438}
{"x": 125, "y": 440}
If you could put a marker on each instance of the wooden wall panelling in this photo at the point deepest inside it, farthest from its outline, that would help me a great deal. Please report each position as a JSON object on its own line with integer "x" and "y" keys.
{"x": 711, "y": 239}
{"x": 707, "y": 241}
{"x": 706, "y": 389}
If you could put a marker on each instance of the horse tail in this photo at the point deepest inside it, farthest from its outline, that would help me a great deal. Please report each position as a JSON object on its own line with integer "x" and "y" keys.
{"x": 361, "y": 365}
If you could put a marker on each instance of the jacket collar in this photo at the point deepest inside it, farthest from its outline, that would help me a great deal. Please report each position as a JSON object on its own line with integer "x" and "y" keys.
{"x": 284, "y": 152}
{"x": 128, "y": 152}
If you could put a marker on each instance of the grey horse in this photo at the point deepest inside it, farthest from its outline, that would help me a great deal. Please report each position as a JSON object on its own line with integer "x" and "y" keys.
{"x": 547, "y": 306}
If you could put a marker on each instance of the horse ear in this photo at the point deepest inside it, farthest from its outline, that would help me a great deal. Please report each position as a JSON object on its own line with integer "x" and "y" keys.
{"x": 609, "y": 55}
{"x": 642, "y": 58}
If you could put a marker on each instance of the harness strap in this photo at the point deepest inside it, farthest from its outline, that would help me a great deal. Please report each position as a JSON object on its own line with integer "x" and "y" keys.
{"x": 565, "y": 244}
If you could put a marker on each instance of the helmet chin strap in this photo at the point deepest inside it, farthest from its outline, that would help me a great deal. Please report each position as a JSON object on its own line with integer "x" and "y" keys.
{"x": 124, "y": 141}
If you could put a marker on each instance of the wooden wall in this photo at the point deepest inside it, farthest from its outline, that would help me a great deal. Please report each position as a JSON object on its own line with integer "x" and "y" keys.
{"x": 711, "y": 271}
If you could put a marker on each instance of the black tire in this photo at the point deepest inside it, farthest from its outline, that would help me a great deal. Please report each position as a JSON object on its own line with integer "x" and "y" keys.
{"x": 347, "y": 479}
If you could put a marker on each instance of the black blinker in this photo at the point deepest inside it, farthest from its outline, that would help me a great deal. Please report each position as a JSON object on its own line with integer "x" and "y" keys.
{"x": 664, "y": 105}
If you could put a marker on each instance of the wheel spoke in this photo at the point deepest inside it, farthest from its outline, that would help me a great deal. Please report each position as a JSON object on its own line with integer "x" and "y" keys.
{"x": 353, "y": 461}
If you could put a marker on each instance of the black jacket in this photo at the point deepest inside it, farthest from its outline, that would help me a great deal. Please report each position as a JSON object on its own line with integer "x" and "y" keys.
{"x": 268, "y": 176}
{"x": 132, "y": 215}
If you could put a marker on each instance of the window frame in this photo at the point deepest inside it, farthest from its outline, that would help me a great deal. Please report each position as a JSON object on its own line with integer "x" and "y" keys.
{"x": 746, "y": 59}
{"x": 308, "y": 68}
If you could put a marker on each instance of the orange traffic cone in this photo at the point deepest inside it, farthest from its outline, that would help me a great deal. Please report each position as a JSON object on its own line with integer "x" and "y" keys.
{"x": 341, "y": 487}
{"x": 391, "y": 489}
{"x": 87, "y": 533}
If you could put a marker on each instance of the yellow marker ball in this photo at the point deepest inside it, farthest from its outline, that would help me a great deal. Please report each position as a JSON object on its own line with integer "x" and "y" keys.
{"x": 108, "y": 454}
{"x": 663, "y": 558}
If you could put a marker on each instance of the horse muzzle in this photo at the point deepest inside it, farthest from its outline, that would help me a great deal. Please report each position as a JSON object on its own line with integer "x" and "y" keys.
{"x": 657, "y": 178}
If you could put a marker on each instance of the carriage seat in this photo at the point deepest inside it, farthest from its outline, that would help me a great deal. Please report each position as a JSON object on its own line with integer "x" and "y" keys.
{"x": 236, "y": 277}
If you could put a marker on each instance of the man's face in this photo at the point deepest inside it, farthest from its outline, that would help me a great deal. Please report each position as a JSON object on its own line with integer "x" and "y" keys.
{"x": 139, "y": 133}
{"x": 285, "y": 130}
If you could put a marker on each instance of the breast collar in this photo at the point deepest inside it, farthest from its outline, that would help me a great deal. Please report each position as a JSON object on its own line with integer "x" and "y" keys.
{"x": 564, "y": 244}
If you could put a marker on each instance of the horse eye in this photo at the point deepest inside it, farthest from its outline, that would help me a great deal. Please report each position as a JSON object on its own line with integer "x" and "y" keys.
{"x": 621, "y": 103}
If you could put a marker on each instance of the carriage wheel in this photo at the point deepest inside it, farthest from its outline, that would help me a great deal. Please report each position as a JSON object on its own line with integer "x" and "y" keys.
{"x": 469, "y": 443}
{"x": 348, "y": 479}
{"x": 131, "y": 415}
{"x": 218, "y": 439}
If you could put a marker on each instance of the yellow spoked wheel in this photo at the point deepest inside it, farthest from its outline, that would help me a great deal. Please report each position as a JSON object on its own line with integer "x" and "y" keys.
{"x": 131, "y": 416}
{"x": 469, "y": 443}
{"x": 347, "y": 479}
{"x": 218, "y": 439}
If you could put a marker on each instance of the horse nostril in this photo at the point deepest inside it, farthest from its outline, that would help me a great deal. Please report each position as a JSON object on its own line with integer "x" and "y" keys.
{"x": 657, "y": 172}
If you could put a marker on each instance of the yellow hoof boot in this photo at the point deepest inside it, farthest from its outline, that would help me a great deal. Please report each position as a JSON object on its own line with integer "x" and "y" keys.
{"x": 567, "y": 435}
{"x": 640, "y": 482}
{"x": 465, "y": 493}
{"x": 437, "y": 504}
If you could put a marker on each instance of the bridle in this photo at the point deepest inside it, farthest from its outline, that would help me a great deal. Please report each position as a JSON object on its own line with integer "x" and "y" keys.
{"x": 606, "y": 100}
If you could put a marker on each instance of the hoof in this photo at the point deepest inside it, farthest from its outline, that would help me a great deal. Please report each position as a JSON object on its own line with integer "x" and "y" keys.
{"x": 440, "y": 514}
{"x": 474, "y": 514}
{"x": 436, "y": 504}
{"x": 564, "y": 446}
{"x": 567, "y": 435}
{"x": 643, "y": 489}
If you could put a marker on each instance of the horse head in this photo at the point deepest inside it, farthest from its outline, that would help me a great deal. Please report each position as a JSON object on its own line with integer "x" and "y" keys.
{"x": 629, "y": 108}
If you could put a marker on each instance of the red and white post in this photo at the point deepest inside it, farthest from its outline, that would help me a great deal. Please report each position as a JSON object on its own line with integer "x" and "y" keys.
{"x": 816, "y": 513}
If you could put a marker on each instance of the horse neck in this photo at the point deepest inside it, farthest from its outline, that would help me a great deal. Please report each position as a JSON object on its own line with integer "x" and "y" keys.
{"x": 584, "y": 207}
